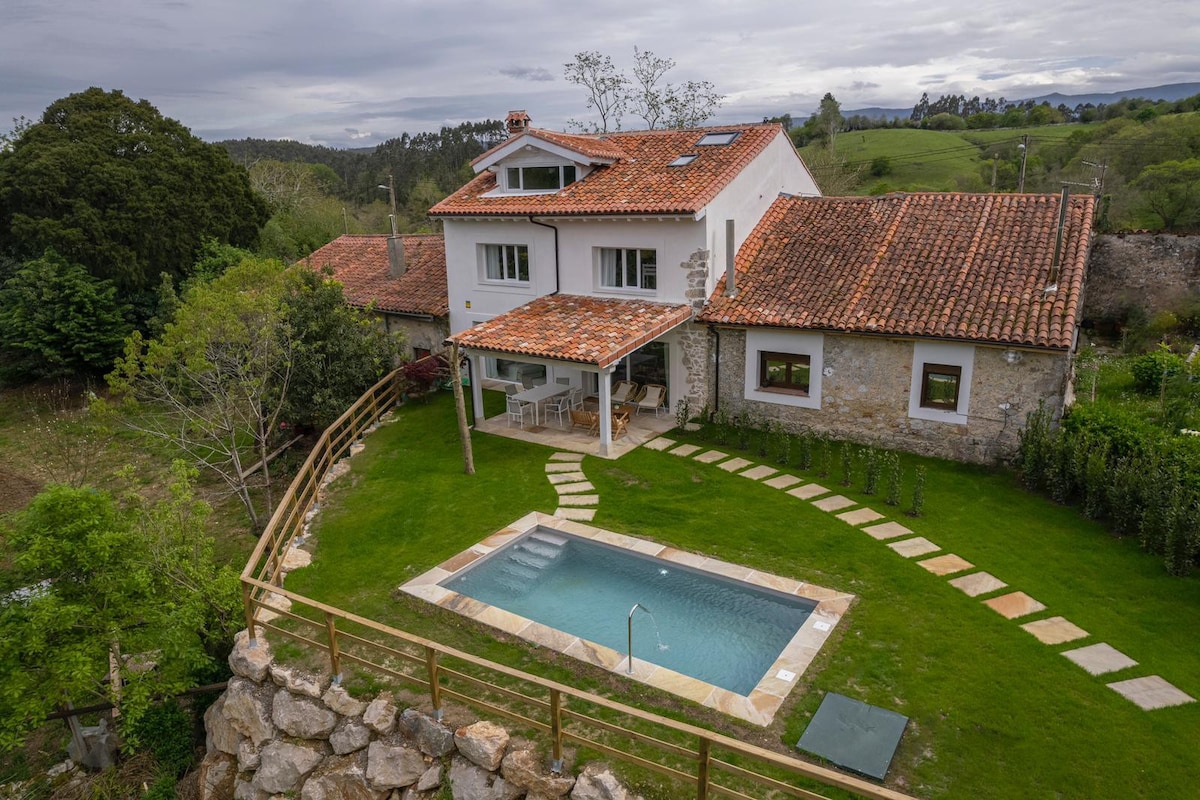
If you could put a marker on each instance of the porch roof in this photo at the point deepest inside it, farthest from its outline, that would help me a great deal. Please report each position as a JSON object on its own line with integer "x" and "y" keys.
{"x": 597, "y": 331}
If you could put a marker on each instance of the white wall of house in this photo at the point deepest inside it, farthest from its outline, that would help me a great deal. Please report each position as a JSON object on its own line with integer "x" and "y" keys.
{"x": 673, "y": 241}
{"x": 466, "y": 282}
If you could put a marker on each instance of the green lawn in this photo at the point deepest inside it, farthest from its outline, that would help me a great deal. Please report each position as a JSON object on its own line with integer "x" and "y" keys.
{"x": 994, "y": 713}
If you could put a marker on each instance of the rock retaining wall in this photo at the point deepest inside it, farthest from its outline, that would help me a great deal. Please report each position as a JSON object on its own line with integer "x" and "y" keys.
{"x": 277, "y": 732}
{"x": 1150, "y": 271}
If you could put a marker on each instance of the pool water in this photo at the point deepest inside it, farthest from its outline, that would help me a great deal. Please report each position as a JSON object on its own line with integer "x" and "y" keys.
{"x": 717, "y": 630}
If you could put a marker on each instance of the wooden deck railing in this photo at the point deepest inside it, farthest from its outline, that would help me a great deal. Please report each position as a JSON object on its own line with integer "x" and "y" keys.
{"x": 712, "y": 764}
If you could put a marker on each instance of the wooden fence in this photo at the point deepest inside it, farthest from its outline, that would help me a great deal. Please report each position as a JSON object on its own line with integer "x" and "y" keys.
{"x": 712, "y": 764}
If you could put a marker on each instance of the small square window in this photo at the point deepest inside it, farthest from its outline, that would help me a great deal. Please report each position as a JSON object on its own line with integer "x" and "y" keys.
{"x": 717, "y": 138}
{"x": 506, "y": 262}
{"x": 683, "y": 160}
{"x": 784, "y": 372}
{"x": 939, "y": 386}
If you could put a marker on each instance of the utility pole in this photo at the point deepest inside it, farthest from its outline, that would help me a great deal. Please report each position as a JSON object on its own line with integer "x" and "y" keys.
{"x": 1098, "y": 181}
{"x": 995, "y": 161}
{"x": 1024, "y": 145}
{"x": 391, "y": 188}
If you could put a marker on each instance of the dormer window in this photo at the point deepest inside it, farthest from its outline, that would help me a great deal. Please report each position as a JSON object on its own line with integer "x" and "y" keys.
{"x": 717, "y": 138}
{"x": 540, "y": 179}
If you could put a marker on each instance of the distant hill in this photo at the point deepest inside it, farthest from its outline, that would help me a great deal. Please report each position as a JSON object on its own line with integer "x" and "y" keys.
{"x": 1169, "y": 91}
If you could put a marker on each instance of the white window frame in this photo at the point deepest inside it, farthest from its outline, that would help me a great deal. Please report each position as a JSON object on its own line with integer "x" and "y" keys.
{"x": 520, "y": 169}
{"x": 505, "y": 252}
{"x": 792, "y": 343}
{"x": 951, "y": 355}
{"x": 619, "y": 262}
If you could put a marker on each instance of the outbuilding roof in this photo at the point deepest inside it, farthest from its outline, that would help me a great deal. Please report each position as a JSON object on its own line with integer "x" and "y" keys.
{"x": 360, "y": 263}
{"x": 977, "y": 267}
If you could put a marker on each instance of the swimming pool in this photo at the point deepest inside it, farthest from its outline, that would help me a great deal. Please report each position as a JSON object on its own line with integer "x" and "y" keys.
{"x": 727, "y": 636}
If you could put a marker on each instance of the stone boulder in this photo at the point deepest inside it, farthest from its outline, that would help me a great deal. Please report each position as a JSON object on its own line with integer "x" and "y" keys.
{"x": 216, "y": 775}
{"x": 350, "y": 737}
{"x": 432, "y": 737}
{"x": 524, "y": 768}
{"x": 220, "y": 736}
{"x": 302, "y": 717}
{"x": 482, "y": 743}
{"x": 380, "y": 715}
{"x": 248, "y": 709}
{"x": 250, "y": 661}
{"x": 430, "y": 779}
{"x": 284, "y": 766}
{"x": 245, "y": 790}
{"x": 340, "y": 701}
{"x": 597, "y": 782}
{"x": 296, "y": 682}
{"x": 248, "y": 756}
{"x": 393, "y": 767}
{"x": 340, "y": 778}
{"x": 471, "y": 782}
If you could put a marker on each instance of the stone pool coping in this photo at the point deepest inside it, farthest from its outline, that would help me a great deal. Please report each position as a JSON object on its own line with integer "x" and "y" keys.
{"x": 759, "y": 707}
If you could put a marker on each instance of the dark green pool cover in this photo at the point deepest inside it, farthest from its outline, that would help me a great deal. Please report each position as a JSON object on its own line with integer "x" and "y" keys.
{"x": 854, "y": 735}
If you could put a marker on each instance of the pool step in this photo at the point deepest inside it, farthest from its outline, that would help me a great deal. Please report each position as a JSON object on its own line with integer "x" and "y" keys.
{"x": 526, "y": 559}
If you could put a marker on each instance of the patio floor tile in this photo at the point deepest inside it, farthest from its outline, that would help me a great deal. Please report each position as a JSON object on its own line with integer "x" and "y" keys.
{"x": 834, "y": 503}
{"x": 711, "y": 456}
{"x": 685, "y": 450}
{"x": 1014, "y": 604}
{"x": 566, "y": 477}
{"x": 1055, "y": 630}
{"x": 567, "y": 457}
{"x": 1099, "y": 659}
{"x": 562, "y": 466}
{"x": 734, "y": 464}
{"x": 579, "y": 500}
{"x": 916, "y": 546}
{"x": 584, "y": 514}
{"x": 782, "y": 481}
{"x": 946, "y": 565}
{"x": 808, "y": 491}
{"x": 887, "y": 530}
{"x": 977, "y": 583}
{"x": 859, "y": 516}
{"x": 661, "y": 443}
{"x": 758, "y": 473}
{"x": 1151, "y": 692}
{"x": 575, "y": 488}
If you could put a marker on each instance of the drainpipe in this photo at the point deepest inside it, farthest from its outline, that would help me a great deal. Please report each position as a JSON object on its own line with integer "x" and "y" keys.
{"x": 557, "y": 281}
{"x": 716, "y": 373}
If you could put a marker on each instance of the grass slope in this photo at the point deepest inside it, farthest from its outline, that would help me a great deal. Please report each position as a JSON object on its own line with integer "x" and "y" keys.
{"x": 994, "y": 713}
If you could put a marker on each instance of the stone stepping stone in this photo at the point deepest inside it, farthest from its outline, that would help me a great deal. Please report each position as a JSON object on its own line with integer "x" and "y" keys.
{"x": 567, "y": 457}
{"x": 834, "y": 503}
{"x": 575, "y": 488}
{"x": 758, "y": 473}
{"x": 1100, "y": 659}
{"x": 946, "y": 565}
{"x": 1014, "y": 604}
{"x": 734, "y": 464}
{"x": 1151, "y": 692}
{"x": 661, "y": 443}
{"x": 580, "y": 500}
{"x": 566, "y": 477}
{"x": 1055, "y": 630}
{"x": 887, "y": 530}
{"x": 562, "y": 466}
{"x": 711, "y": 456}
{"x": 782, "y": 481}
{"x": 685, "y": 449}
{"x": 295, "y": 558}
{"x": 581, "y": 514}
{"x": 859, "y": 516}
{"x": 916, "y": 546}
{"x": 808, "y": 491}
{"x": 977, "y": 583}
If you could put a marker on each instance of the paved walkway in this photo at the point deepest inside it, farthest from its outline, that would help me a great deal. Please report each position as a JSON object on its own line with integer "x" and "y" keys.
{"x": 577, "y": 498}
{"x": 1148, "y": 692}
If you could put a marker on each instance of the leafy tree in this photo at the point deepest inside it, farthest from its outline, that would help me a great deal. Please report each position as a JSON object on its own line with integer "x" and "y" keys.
{"x": 607, "y": 89}
{"x": 829, "y": 119}
{"x": 1171, "y": 191}
{"x": 91, "y": 578}
{"x": 115, "y": 186}
{"x": 56, "y": 320}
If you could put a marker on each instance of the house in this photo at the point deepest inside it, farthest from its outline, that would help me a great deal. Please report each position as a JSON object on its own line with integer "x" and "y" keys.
{"x": 927, "y": 322}
{"x": 583, "y": 258}
{"x": 401, "y": 279}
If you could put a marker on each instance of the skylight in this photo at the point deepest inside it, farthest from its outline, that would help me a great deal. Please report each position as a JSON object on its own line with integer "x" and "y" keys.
{"x": 683, "y": 160}
{"x": 717, "y": 138}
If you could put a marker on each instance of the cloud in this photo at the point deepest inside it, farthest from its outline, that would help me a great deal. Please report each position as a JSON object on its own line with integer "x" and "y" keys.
{"x": 539, "y": 74}
{"x": 860, "y": 86}
{"x": 355, "y": 133}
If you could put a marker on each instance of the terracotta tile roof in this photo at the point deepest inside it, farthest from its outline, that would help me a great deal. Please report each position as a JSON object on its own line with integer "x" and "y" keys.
{"x": 588, "y": 145}
{"x": 588, "y": 330}
{"x": 639, "y": 182}
{"x": 360, "y": 264}
{"x": 951, "y": 266}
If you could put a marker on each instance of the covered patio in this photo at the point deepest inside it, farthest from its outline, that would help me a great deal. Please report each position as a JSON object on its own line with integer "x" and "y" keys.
{"x": 574, "y": 338}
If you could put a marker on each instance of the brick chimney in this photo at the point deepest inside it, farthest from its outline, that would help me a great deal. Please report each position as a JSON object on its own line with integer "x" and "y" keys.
{"x": 517, "y": 122}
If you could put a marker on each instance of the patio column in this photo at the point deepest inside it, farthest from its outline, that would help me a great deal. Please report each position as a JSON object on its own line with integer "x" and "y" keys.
{"x": 477, "y": 388}
{"x": 605, "y": 410}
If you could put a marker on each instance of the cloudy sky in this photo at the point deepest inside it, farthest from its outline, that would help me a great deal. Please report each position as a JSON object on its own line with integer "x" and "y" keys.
{"x": 357, "y": 72}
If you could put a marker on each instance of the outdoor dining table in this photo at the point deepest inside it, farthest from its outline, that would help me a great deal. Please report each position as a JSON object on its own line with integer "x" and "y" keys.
{"x": 539, "y": 393}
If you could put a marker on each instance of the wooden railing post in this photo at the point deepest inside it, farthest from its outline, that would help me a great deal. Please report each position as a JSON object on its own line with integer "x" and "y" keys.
{"x": 556, "y": 731}
{"x": 435, "y": 687}
{"x": 702, "y": 771}
{"x": 248, "y": 608}
{"x": 335, "y": 656}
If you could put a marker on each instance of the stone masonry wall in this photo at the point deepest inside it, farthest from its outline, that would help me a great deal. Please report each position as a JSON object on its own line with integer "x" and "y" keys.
{"x": 277, "y": 732}
{"x": 1150, "y": 271}
{"x": 865, "y": 397}
{"x": 418, "y": 333}
{"x": 692, "y": 339}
